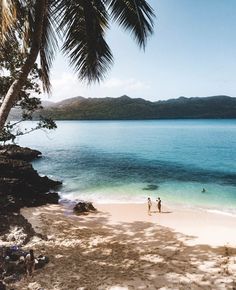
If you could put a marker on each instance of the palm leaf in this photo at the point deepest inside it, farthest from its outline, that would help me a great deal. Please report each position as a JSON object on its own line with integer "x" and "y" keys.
{"x": 48, "y": 46}
{"x": 135, "y": 16}
{"x": 7, "y": 18}
{"x": 16, "y": 17}
{"x": 23, "y": 23}
{"x": 84, "y": 23}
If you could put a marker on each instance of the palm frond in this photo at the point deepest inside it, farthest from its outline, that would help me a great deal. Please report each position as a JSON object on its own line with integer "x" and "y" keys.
{"x": 26, "y": 25}
{"x": 134, "y": 15}
{"x": 23, "y": 23}
{"x": 14, "y": 19}
{"x": 7, "y": 18}
{"x": 84, "y": 24}
{"x": 48, "y": 46}
{"x": 48, "y": 43}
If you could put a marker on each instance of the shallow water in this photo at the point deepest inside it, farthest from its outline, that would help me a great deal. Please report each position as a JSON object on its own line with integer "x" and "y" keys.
{"x": 115, "y": 161}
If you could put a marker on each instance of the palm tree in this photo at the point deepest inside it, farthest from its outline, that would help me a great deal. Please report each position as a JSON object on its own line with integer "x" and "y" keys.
{"x": 79, "y": 24}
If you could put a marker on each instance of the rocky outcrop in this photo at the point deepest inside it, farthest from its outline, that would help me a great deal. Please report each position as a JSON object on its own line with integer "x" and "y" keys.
{"x": 20, "y": 153}
{"x": 15, "y": 229}
{"x": 84, "y": 207}
{"x": 20, "y": 184}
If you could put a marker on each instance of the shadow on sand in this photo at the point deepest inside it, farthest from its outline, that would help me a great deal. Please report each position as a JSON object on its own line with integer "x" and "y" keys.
{"x": 90, "y": 253}
{"x": 156, "y": 211}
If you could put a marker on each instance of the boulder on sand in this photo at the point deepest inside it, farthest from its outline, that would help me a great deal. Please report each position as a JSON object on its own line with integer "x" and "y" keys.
{"x": 84, "y": 207}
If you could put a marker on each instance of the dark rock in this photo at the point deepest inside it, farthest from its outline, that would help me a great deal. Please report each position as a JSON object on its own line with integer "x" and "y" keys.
{"x": 15, "y": 227}
{"x": 20, "y": 153}
{"x": 14, "y": 202}
{"x": 151, "y": 187}
{"x": 2, "y": 286}
{"x": 20, "y": 174}
{"x": 21, "y": 186}
{"x": 83, "y": 207}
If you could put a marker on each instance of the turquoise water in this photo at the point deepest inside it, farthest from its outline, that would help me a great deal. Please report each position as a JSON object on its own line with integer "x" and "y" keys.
{"x": 114, "y": 161}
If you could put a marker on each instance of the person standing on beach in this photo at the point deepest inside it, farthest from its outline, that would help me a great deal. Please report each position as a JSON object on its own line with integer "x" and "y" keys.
{"x": 30, "y": 263}
{"x": 159, "y": 204}
{"x": 149, "y": 205}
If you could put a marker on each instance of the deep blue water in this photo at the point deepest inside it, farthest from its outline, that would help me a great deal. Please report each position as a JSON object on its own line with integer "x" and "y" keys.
{"x": 106, "y": 161}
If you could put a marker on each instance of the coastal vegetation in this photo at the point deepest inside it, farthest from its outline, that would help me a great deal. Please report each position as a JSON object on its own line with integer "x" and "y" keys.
{"x": 125, "y": 108}
{"x": 163, "y": 191}
{"x": 11, "y": 60}
{"x": 80, "y": 26}
{"x": 29, "y": 37}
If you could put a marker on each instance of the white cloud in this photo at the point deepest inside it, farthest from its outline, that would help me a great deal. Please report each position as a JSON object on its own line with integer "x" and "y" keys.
{"x": 67, "y": 85}
{"x": 128, "y": 84}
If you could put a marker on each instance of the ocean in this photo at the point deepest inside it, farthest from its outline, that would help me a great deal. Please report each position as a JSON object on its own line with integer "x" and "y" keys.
{"x": 128, "y": 161}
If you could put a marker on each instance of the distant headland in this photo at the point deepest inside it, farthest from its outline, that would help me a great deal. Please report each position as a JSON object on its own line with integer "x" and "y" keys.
{"x": 126, "y": 108}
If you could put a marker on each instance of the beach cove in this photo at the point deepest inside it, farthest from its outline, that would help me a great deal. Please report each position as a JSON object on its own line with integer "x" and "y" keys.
{"x": 127, "y": 161}
{"x": 122, "y": 247}
{"x": 125, "y": 179}
{"x": 117, "y": 165}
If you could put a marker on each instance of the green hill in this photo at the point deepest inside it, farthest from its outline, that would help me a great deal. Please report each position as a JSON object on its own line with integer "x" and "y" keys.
{"x": 125, "y": 108}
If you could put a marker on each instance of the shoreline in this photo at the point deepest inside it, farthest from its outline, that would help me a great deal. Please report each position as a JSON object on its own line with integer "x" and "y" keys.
{"x": 116, "y": 196}
{"x": 122, "y": 247}
{"x": 178, "y": 206}
{"x": 206, "y": 227}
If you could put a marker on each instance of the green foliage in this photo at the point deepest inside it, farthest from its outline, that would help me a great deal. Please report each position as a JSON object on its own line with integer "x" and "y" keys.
{"x": 13, "y": 130}
{"x": 81, "y": 27}
{"x": 125, "y": 108}
{"x": 35, "y": 27}
{"x": 11, "y": 61}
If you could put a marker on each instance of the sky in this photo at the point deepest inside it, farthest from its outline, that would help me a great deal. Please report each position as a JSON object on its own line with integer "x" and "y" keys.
{"x": 192, "y": 53}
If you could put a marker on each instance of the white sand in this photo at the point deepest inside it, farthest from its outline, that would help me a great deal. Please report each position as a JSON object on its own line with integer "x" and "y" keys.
{"x": 122, "y": 247}
{"x": 210, "y": 228}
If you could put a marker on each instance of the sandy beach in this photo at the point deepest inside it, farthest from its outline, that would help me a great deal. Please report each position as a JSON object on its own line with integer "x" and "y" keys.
{"x": 123, "y": 247}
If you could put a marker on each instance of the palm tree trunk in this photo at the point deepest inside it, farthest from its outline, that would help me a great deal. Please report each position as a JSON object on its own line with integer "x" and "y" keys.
{"x": 13, "y": 92}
